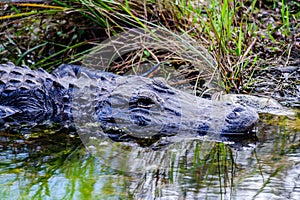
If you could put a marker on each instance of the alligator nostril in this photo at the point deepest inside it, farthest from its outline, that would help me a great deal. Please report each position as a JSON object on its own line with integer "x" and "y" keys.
{"x": 233, "y": 115}
{"x": 238, "y": 109}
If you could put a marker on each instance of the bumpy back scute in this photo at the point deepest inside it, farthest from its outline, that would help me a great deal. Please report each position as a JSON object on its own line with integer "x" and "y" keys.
{"x": 36, "y": 94}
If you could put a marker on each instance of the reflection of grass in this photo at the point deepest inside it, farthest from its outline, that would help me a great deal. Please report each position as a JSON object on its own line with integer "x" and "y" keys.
{"x": 32, "y": 162}
{"x": 276, "y": 155}
{"x": 187, "y": 167}
{"x": 215, "y": 169}
{"x": 292, "y": 122}
{"x": 75, "y": 174}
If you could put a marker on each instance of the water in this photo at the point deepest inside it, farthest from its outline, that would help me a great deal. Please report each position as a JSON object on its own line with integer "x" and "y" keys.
{"x": 58, "y": 166}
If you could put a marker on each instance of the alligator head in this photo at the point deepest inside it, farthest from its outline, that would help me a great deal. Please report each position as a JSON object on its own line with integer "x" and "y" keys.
{"x": 143, "y": 107}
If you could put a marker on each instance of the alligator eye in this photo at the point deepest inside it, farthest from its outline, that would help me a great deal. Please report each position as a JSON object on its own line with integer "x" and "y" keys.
{"x": 141, "y": 102}
{"x": 140, "y": 106}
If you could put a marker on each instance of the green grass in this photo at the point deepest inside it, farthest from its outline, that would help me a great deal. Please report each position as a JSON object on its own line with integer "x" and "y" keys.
{"x": 285, "y": 18}
{"x": 65, "y": 30}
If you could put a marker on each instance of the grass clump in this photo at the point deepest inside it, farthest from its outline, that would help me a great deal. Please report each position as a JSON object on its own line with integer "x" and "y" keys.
{"x": 239, "y": 35}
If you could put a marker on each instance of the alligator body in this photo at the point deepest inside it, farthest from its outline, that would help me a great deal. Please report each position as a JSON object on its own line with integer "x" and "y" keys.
{"x": 135, "y": 105}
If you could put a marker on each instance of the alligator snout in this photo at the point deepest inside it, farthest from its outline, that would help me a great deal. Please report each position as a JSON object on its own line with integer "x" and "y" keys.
{"x": 240, "y": 120}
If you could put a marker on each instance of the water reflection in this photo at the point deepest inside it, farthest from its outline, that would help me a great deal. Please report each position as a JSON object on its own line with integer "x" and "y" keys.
{"x": 57, "y": 166}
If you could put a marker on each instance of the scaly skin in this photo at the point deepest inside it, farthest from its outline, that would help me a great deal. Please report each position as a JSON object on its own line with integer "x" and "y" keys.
{"x": 135, "y": 105}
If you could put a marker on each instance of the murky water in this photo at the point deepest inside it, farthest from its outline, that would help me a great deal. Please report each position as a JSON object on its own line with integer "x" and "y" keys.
{"x": 57, "y": 166}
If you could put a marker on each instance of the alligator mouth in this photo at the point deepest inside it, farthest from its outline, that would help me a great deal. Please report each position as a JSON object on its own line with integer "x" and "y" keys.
{"x": 252, "y": 130}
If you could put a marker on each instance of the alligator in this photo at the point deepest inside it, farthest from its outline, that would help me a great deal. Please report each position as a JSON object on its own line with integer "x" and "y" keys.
{"x": 134, "y": 106}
